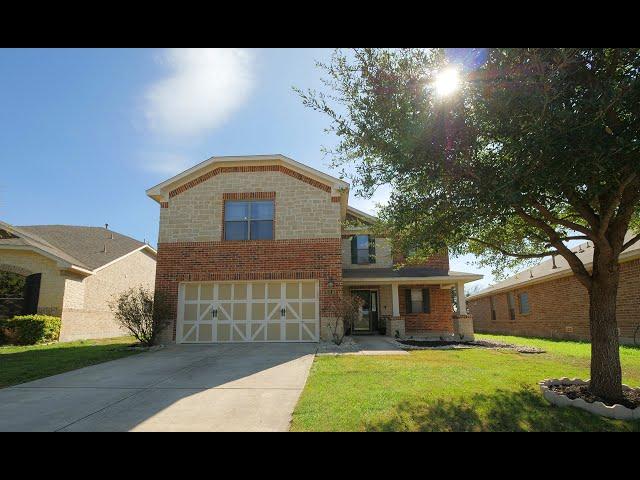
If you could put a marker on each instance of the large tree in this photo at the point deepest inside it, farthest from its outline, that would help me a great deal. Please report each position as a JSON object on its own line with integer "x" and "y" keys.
{"x": 535, "y": 148}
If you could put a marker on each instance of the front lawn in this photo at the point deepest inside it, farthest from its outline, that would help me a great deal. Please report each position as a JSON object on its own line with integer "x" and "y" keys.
{"x": 23, "y": 364}
{"x": 452, "y": 390}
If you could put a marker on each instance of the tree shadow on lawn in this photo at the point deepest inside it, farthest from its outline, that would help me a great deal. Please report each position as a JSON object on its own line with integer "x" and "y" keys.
{"x": 503, "y": 411}
{"x": 26, "y": 364}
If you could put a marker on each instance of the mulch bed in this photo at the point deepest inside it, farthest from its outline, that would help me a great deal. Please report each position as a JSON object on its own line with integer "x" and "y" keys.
{"x": 631, "y": 397}
{"x": 477, "y": 344}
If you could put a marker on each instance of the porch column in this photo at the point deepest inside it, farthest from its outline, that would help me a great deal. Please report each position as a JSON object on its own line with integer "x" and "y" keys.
{"x": 395, "y": 300}
{"x": 462, "y": 300}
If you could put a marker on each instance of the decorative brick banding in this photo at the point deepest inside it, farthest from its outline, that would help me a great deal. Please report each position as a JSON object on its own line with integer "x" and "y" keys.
{"x": 164, "y": 204}
{"x": 249, "y": 196}
{"x": 249, "y": 169}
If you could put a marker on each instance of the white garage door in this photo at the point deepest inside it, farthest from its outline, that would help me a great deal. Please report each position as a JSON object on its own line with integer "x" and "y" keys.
{"x": 286, "y": 311}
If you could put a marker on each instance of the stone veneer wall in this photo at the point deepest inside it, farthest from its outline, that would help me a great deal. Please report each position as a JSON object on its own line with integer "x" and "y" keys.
{"x": 86, "y": 312}
{"x": 301, "y": 210}
{"x": 52, "y": 283}
{"x": 559, "y": 308}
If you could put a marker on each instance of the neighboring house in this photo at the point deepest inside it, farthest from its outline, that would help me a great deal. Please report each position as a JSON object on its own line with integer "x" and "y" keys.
{"x": 72, "y": 272}
{"x": 253, "y": 249}
{"x": 548, "y": 301}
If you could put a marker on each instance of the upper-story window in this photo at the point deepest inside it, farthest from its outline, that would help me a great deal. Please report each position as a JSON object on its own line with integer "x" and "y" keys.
{"x": 363, "y": 249}
{"x": 248, "y": 220}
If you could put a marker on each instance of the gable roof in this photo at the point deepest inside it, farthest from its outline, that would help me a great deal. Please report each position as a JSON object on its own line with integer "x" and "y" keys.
{"x": 74, "y": 247}
{"x": 545, "y": 271}
{"x": 360, "y": 215}
{"x": 160, "y": 192}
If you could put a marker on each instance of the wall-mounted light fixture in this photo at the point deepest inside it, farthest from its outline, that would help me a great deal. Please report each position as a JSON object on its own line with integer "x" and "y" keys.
{"x": 330, "y": 282}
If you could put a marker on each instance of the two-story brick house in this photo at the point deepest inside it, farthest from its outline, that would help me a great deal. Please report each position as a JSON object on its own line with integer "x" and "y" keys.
{"x": 251, "y": 249}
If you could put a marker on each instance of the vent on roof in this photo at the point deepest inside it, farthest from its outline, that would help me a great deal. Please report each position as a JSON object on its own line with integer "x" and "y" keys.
{"x": 553, "y": 258}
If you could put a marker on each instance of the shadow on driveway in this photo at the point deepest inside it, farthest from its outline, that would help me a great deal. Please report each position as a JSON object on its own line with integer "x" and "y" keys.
{"x": 223, "y": 387}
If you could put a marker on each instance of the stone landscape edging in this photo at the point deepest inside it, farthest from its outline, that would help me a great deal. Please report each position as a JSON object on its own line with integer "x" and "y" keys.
{"x": 617, "y": 411}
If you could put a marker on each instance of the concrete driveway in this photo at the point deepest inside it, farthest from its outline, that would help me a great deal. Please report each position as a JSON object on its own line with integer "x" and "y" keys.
{"x": 224, "y": 387}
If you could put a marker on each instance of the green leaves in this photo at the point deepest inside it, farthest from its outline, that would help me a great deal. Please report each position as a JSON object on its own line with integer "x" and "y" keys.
{"x": 542, "y": 134}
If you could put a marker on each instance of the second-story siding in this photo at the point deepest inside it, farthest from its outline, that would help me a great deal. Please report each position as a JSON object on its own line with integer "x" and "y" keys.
{"x": 384, "y": 258}
{"x": 302, "y": 211}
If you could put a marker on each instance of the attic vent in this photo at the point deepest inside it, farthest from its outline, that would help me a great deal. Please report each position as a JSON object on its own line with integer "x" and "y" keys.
{"x": 5, "y": 234}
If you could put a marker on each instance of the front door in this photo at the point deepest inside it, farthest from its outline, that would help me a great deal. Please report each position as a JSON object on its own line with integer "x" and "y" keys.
{"x": 368, "y": 319}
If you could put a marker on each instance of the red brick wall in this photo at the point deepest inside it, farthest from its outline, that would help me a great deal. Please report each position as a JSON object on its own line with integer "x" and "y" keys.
{"x": 440, "y": 318}
{"x": 249, "y": 260}
{"x": 560, "y": 308}
{"x": 437, "y": 262}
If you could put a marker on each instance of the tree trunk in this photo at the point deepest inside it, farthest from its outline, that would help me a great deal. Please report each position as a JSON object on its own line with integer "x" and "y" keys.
{"x": 606, "y": 373}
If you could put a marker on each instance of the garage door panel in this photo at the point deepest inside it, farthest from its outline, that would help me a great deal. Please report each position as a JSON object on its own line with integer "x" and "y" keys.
{"x": 249, "y": 312}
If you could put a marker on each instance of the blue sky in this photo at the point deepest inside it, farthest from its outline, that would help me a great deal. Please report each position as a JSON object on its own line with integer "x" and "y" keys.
{"x": 83, "y": 133}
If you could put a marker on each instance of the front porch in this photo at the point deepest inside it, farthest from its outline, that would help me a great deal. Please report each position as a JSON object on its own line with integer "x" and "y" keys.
{"x": 419, "y": 306}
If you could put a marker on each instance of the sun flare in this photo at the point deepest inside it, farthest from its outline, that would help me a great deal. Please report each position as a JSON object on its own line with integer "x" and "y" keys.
{"x": 447, "y": 82}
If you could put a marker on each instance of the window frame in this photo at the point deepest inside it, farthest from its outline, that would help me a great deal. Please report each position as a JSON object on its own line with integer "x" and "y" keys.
{"x": 520, "y": 310}
{"x": 425, "y": 301}
{"x": 511, "y": 305}
{"x": 492, "y": 307}
{"x": 368, "y": 253}
{"x": 248, "y": 220}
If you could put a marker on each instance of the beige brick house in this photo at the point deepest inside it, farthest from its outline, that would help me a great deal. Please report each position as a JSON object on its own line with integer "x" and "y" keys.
{"x": 548, "y": 301}
{"x": 253, "y": 249}
{"x": 72, "y": 272}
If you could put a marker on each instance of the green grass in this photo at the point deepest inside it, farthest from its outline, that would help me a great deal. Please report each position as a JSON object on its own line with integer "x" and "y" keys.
{"x": 452, "y": 390}
{"x": 23, "y": 364}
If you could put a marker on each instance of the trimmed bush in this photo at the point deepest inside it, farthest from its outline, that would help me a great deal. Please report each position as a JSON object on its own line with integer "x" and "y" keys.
{"x": 30, "y": 329}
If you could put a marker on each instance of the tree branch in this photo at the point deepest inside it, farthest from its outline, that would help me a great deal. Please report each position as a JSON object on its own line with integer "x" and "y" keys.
{"x": 574, "y": 262}
{"x": 613, "y": 203}
{"x": 584, "y": 209}
{"x": 511, "y": 254}
{"x": 546, "y": 213}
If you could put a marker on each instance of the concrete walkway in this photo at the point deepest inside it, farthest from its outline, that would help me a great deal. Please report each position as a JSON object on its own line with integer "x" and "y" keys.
{"x": 232, "y": 387}
{"x": 376, "y": 345}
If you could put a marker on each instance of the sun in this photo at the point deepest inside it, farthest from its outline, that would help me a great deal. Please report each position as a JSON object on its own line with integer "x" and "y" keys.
{"x": 447, "y": 82}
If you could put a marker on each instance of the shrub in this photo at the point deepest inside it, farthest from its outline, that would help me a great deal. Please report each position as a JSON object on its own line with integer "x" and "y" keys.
{"x": 142, "y": 313}
{"x": 30, "y": 329}
{"x": 343, "y": 312}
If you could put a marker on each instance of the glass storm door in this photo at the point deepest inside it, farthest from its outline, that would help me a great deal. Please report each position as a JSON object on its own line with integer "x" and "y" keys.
{"x": 363, "y": 322}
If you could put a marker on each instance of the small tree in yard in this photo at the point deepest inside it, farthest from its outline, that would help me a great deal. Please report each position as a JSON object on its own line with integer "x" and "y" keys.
{"x": 343, "y": 311}
{"x": 507, "y": 154}
{"x": 142, "y": 313}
